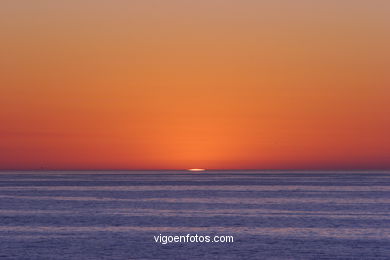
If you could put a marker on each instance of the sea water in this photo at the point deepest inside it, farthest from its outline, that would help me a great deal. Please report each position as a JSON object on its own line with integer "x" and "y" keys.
{"x": 270, "y": 214}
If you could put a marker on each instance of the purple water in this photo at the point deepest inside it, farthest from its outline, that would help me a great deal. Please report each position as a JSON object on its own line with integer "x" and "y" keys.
{"x": 271, "y": 215}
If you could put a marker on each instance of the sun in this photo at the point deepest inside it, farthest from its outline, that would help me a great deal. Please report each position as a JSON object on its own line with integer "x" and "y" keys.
{"x": 196, "y": 170}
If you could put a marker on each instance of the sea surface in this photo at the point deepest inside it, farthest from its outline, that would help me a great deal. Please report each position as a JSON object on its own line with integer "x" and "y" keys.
{"x": 270, "y": 214}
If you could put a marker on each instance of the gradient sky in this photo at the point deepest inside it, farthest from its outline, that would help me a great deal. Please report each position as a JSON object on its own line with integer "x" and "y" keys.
{"x": 208, "y": 84}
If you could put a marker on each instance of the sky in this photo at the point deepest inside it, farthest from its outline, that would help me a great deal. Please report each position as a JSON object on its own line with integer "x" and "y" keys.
{"x": 180, "y": 84}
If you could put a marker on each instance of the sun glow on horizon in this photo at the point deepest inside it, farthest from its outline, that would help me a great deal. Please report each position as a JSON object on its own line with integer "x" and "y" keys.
{"x": 196, "y": 170}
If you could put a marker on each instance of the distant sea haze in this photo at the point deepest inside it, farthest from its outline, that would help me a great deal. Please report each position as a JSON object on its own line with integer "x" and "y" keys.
{"x": 270, "y": 214}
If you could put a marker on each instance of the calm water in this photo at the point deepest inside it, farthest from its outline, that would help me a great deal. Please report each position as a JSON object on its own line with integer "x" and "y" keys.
{"x": 272, "y": 215}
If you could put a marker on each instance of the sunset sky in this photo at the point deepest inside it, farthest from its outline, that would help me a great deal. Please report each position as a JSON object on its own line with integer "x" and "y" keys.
{"x": 179, "y": 84}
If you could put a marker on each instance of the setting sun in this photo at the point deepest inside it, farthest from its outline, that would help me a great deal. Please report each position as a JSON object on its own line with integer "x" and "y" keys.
{"x": 196, "y": 170}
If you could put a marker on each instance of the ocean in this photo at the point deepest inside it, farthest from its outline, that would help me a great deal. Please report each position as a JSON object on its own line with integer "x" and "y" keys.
{"x": 268, "y": 214}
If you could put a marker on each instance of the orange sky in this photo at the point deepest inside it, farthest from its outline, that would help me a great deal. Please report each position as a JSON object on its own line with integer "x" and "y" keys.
{"x": 195, "y": 84}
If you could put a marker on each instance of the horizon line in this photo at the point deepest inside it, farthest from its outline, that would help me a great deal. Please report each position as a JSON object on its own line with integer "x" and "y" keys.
{"x": 212, "y": 169}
